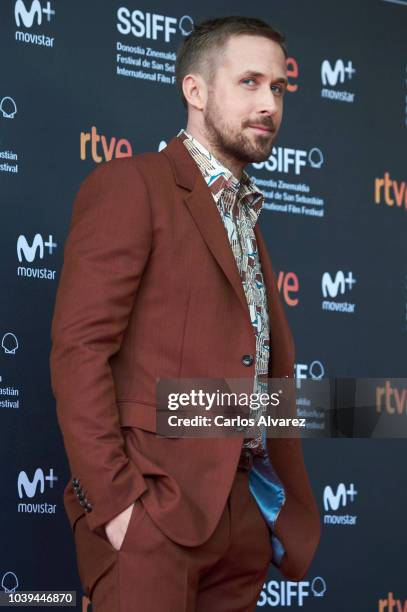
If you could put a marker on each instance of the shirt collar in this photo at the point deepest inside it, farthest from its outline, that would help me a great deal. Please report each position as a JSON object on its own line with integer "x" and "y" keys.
{"x": 218, "y": 177}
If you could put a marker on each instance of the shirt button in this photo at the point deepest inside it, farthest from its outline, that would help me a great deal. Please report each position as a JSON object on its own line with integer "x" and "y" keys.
{"x": 247, "y": 360}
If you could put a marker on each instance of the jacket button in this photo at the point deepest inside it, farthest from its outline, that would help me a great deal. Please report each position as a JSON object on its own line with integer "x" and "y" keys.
{"x": 247, "y": 360}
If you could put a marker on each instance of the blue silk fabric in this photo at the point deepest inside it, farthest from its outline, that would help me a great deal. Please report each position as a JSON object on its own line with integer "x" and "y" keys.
{"x": 269, "y": 493}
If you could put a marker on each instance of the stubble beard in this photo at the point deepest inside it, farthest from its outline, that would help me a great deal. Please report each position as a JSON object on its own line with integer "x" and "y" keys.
{"x": 233, "y": 143}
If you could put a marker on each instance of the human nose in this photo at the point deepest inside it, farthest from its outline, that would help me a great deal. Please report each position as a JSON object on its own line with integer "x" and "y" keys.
{"x": 268, "y": 103}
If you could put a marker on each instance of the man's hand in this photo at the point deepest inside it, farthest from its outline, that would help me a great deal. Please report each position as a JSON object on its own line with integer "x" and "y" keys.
{"x": 116, "y": 528}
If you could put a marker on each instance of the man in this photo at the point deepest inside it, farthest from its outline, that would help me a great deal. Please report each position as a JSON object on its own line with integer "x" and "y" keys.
{"x": 166, "y": 275}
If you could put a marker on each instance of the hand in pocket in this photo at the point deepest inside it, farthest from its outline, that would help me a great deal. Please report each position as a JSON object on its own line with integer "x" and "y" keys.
{"x": 117, "y": 527}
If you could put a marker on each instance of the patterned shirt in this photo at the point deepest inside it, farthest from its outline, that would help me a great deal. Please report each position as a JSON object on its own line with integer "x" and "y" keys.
{"x": 239, "y": 204}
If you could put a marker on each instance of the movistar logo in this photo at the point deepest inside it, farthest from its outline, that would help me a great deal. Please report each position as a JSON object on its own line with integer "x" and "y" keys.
{"x": 28, "y": 487}
{"x": 37, "y": 245}
{"x": 331, "y": 76}
{"x": 34, "y": 13}
{"x": 332, "y": 500}
{"x": 27, "y": 16}
{"x": 331, "y": 287}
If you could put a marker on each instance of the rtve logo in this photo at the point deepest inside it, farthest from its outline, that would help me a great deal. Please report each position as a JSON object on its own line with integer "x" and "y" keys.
{"x": 38, "y": 244}
{"x": 288, "y": 285}
{"x": 384, "y": 396}
{"x": 28, "y": 488}
{"x": 26, "y": 17}
{"x": 332, "y": 287}
{"x": 332, "y": 500}
{"x": 331, "y": 76}
{"x": 284, "y": 160}
{"x": 390, "y": 192}
{"x": 292, "y": 73}
{"x": 151, "y": 25}
{"x": 100, "y": 148}
{"x": 391, "y": 604}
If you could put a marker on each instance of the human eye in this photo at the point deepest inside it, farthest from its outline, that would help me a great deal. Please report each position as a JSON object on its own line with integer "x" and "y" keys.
{"x": 247, "y": 80}
{"x": 279, "y": 89}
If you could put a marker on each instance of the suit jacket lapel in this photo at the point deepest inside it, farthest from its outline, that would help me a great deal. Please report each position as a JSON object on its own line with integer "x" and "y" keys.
{"x": 203, "y": 209}
{"x": 208, "y": 220}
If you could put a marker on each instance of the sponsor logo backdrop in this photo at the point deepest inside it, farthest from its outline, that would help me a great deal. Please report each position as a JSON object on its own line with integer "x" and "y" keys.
{"x": 86, "y": 82}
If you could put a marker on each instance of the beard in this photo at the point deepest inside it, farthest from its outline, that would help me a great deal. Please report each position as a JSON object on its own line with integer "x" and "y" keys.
{"x": 232, "y": 142}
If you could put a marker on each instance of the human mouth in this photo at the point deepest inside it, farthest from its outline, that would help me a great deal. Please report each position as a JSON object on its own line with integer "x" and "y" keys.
{"x": 260, "y": 129}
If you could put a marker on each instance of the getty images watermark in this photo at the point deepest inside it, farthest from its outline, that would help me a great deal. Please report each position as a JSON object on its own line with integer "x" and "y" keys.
{"x": 282, "y": 407}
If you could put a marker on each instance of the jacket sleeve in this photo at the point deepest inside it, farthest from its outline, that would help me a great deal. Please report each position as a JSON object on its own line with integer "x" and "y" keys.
{"x": 105, "y": 253}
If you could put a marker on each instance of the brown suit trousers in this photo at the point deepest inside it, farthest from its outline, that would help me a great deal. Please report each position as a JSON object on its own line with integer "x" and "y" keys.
{"x": 151, "y": 573}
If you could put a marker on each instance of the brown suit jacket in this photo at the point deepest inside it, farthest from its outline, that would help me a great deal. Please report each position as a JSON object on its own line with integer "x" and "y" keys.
{"x": 150, "y": 289}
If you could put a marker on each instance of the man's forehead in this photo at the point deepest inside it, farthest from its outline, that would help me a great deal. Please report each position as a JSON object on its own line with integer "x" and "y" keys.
{"x": 243, "y": 43}
{"x": 244, "y": 53}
